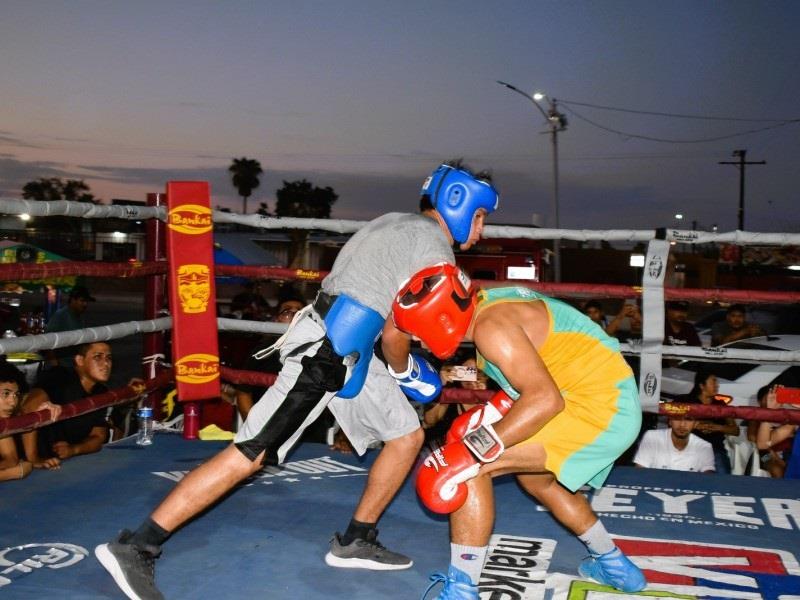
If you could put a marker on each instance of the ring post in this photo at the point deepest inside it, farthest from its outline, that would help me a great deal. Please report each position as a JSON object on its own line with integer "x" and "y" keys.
{"x": 192, "y": 297}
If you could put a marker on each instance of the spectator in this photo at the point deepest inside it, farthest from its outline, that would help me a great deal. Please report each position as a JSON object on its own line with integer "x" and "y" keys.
{"x": 705, "y": 390}
{"x": 772, "y": 459}
{"x": 594, "y": 310}
{"x": 249, "y": 304}
{"x": 627, "y": 324}
{"x": 12, "y": 389}
{"x": 675, "y": 448}
{"x": 439, "y": 415}
{"x": 734, "y": 327}
{"x": 770, "y": 436}
{"x": 68, "y": 318}
{"x": 677, "y": 330}
{"x": 83, "y": 434}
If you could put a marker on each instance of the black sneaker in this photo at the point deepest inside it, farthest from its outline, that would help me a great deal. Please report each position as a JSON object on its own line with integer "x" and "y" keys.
{"x": 365, "y": 554}
{"x": 132, "y": 567}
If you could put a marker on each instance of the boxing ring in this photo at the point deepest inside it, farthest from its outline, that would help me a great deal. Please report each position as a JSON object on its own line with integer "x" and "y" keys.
{"x": 694, "y": 535}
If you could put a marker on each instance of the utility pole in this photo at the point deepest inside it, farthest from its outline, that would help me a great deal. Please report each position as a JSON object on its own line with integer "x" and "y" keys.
{"x": 556, "y": 122}
{"x": 741, "y": 163}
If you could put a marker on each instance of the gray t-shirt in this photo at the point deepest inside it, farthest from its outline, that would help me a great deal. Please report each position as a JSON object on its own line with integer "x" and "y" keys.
{"x": 382, "y": 255}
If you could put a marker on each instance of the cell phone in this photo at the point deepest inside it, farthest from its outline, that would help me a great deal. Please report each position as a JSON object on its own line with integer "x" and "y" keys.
{"x": 462, "y": 373}
{"x": 787, "y": 395}
{"x": 723, "y": 398}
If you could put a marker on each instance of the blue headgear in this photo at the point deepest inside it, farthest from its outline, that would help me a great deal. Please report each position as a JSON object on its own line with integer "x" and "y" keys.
{"x": 456, "y": 195}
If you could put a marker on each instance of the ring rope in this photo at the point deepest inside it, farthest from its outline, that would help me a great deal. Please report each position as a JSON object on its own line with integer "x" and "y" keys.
{"x": 21, "y": 423}
{"x": 104, "y": 333}
{"x": 113, "y": 397}
{"x": 14, "y": 206}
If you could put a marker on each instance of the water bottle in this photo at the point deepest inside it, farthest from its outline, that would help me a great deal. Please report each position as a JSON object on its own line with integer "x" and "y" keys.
{"x": 145, "y": 435}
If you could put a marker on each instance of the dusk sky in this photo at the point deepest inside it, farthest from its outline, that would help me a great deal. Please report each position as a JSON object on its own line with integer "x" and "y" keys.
{"x": 369, "y": 96}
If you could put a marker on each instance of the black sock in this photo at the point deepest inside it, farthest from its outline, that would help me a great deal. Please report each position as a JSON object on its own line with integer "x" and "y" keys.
{"x": 356, "y": 530}
{"x": 149, "y": 533}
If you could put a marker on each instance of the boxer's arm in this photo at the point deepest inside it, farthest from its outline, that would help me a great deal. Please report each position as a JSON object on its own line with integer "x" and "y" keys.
{"x": 395, "y": 345}
{"x": 502, "y": 341}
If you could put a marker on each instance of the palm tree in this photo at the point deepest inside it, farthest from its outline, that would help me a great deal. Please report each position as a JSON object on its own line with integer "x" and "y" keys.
{"x": 244, "y": 175}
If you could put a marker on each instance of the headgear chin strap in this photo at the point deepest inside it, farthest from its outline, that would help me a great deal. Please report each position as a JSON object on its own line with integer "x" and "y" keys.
{"x": 456, "y": 195}
{"x": 436, "y": 305}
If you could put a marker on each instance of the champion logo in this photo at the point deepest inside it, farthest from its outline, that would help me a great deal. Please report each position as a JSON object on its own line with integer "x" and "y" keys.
{"x": 467, "y": 556}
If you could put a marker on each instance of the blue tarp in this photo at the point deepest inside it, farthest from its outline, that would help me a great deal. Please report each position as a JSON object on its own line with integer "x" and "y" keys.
{"x": 697, "y": 535}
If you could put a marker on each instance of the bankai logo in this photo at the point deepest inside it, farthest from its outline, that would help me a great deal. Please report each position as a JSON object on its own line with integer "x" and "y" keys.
{"x": 194, "y": 287}
{"x": 684, "y": 236}
{"x": 197, "y": 368}
{"x": 681, "y": 569}
{"x": 715, "y": 352}
{"x": 192, "y": 219}
{"x": 675, "y": 409}
{"x": 22, "y": 560}
{"x": 650, "y": 384}
{"x": 303, "y": 274}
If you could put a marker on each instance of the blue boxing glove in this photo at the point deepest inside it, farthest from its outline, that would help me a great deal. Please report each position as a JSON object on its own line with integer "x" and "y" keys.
{"x": 420, "y": 381}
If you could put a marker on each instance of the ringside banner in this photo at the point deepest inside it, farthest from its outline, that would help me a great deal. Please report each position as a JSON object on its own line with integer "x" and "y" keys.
{"x": 190, "y": 250}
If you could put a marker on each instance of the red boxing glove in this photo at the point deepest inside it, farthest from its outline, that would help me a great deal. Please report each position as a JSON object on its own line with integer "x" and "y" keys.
{"x": 488, "y": 413}
{"x": 440, "y": 481}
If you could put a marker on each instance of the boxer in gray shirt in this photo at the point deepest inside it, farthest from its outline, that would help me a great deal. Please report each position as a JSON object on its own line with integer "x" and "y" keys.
{"x": 327, "y": 360}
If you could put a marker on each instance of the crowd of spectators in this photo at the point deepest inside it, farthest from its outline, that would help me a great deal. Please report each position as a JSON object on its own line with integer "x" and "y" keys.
{"x": 686, "y": 444}
{"x": 686, "y": 435}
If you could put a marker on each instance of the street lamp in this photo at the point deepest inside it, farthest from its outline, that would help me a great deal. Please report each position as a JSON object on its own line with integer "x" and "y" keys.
{"x": 556, "y": 122}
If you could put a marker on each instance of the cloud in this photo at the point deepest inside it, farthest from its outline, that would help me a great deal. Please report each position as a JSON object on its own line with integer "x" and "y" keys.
{"x": 8, "y": 139}
{"x": 14, "y": 173}
{"x": 524, "y": 199}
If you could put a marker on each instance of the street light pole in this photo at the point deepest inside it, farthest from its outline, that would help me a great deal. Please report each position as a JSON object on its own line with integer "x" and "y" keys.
{"x": 556, "y": 122}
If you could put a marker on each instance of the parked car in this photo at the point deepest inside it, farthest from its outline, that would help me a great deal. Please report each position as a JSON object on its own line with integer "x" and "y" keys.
{"x": 739, "y": 380}
{"x": 774, "y": 319}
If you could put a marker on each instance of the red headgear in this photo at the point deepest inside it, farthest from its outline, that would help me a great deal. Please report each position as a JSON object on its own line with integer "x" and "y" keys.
{"x": 436, "y": 305}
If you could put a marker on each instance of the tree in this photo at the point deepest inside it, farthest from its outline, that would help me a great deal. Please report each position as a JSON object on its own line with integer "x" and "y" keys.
{"x": 244, "y": 176}
{"x": 56, "y": 189}
{"x": 301, "y": 199}
{"x": 65, "y": 235}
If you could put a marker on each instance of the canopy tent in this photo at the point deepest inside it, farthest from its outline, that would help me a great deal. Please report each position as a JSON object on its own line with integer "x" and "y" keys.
{"x": 224, "y": 257}
{"x": 238, "y": 249}
{"x": 20, "y": 252}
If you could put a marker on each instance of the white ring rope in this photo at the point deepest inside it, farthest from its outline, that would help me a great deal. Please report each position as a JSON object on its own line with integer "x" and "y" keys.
{"x": 67, "y": 208}
{"x": 34, "y": 343}
{"x": 39, "y": 208}
{"x": 104, "y": 333}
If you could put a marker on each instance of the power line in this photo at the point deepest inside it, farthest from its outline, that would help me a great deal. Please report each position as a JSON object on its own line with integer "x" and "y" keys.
{"x": 675, "y": 141}
{"x": 674, "y": 115}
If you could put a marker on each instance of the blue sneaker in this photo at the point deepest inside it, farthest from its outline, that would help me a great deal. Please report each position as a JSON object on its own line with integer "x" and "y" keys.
{"x": 457, "y": 586}
{"x": 614, "y": 569}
